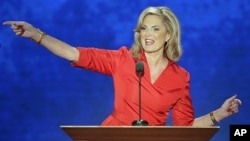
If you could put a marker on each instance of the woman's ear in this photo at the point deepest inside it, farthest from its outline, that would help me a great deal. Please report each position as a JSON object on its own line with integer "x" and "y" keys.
{"x": 167, "y": 37}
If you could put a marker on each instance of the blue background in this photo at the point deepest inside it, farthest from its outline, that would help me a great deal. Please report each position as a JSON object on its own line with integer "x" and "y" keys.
{"x": 40, "y": 91}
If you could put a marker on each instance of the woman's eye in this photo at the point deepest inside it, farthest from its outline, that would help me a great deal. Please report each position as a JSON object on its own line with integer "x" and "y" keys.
{"x": 156, "y": 29}
{"x": 143, "y": 28}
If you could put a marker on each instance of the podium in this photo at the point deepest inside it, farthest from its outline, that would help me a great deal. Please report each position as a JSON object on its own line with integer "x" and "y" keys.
{"x": 140, "y": 133}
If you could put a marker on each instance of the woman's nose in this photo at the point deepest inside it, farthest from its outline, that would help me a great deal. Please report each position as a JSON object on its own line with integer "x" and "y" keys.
{"x": 147, "y": 33}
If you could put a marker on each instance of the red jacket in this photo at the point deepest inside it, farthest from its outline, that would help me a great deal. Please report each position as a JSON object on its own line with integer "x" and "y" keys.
{"x": 170, "y": 91}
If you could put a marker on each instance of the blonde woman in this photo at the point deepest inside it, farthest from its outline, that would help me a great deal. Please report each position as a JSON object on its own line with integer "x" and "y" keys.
{"x": 165, "y": 85}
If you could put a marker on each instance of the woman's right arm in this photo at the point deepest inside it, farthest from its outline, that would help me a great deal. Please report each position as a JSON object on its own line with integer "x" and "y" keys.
{"x": 54, "y": 45}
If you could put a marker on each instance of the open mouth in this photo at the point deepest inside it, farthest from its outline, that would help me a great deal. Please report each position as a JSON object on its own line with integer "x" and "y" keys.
{"x": 149, "y": 42}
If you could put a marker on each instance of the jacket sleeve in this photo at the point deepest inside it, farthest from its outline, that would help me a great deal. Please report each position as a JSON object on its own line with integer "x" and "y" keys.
{"x": 183, "y": 112}
{"x": 99, "y": 60}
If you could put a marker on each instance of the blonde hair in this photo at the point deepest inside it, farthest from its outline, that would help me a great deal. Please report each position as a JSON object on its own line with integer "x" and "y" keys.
{"x": 172, "y": 48}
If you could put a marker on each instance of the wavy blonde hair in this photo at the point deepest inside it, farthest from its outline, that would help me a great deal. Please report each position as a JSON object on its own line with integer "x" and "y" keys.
{"x": 172, "y": 48}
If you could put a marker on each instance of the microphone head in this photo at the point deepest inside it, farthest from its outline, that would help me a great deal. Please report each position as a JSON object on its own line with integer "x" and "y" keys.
{"x": 139, "y": 67}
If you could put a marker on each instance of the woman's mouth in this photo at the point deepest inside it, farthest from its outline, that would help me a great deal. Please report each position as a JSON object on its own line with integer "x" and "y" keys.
{"x": 149, "y": 42}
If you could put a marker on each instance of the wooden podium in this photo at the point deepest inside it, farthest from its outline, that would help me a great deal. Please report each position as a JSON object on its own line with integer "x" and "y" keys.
{"x": 140, "y": 133}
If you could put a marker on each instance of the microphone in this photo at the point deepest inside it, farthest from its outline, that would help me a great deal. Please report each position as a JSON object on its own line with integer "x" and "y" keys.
{"x": 139, "y": 70}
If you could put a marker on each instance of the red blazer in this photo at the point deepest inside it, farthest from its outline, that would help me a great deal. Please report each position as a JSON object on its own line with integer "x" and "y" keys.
{"x": 170, "y": 91}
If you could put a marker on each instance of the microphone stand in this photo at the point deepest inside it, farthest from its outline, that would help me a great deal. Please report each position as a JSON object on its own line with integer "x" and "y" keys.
{"x": 140, "y": 122}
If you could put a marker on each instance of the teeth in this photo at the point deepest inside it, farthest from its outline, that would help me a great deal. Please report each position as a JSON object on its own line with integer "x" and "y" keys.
{"x": 149, "y": 42}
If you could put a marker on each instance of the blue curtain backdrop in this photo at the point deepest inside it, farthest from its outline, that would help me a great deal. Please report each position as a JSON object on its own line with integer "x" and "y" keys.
{"x": 40, "y": 91}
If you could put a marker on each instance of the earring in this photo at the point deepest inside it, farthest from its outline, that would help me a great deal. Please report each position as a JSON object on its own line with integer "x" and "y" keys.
{"x": 166, "y": 42}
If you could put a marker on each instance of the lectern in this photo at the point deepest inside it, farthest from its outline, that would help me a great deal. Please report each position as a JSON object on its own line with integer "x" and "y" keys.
{"x": 140, "y": 133}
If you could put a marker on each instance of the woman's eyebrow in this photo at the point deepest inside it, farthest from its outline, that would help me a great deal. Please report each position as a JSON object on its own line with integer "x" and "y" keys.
{"x": 152, "y": 26}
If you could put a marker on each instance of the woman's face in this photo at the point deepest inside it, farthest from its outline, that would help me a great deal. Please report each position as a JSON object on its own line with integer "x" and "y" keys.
{"x": 153, "y": 34}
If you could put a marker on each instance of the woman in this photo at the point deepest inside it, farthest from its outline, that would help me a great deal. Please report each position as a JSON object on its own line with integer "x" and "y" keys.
{"x": 164, "y": 84}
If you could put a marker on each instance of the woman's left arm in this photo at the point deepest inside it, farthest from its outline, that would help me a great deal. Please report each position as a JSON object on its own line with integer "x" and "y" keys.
{"x": 228, "y": 108}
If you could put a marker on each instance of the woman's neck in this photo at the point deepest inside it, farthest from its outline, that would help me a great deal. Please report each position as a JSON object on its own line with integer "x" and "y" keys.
{"x": 156, "y": 63}
{"x": 156, "y": 59}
